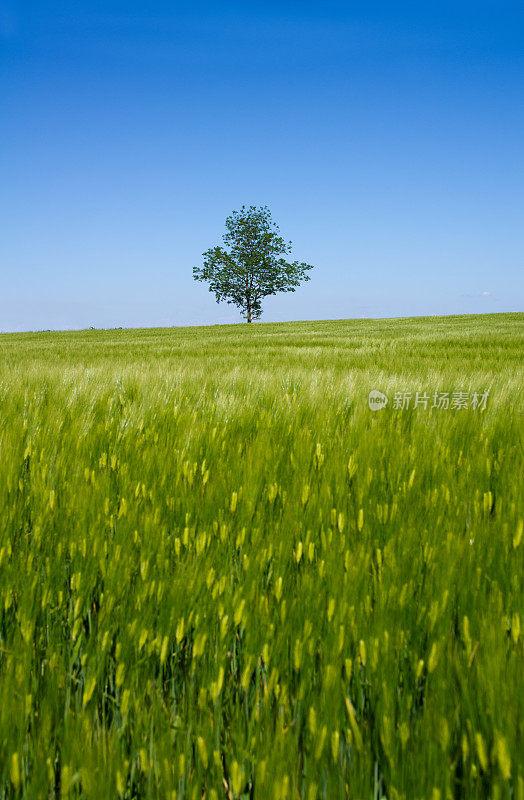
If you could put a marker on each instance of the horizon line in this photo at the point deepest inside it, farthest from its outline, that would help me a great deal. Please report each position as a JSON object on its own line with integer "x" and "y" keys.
{"x": 243, "y": 323}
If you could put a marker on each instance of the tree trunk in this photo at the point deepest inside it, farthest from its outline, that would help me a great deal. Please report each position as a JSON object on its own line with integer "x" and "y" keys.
{"x": 249, "y": 314}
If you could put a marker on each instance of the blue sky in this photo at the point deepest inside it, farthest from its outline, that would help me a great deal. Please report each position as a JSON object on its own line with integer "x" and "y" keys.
{"x": 387, "y": 139}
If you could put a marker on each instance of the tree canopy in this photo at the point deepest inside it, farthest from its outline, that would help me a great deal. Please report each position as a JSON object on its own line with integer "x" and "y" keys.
{"x": 251, "y": 266}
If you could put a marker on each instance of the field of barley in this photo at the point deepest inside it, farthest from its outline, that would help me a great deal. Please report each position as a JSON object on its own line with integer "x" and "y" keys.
{"x": 223, "y": 576}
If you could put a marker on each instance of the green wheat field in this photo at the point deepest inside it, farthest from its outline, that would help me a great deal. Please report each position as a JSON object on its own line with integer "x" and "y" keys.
{"x": 223, "y": 576}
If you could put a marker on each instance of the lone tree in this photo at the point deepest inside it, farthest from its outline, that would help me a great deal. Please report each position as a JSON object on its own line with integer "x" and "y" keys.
{"x": 252, "y": 267}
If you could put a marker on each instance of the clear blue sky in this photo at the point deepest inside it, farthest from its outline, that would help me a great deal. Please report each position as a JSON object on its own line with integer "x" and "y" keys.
{"x": 387, "y": 139}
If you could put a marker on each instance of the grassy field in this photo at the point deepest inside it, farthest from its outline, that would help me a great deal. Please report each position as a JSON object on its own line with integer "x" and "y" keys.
{"x": 222, "y": 575}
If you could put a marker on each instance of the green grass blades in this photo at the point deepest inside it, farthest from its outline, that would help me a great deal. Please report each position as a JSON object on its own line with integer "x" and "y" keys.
{"x": 222, "y": 575}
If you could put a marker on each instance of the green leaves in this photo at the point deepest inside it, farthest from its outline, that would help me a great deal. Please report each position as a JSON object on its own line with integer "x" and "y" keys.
{"x": 252, "y": 267}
